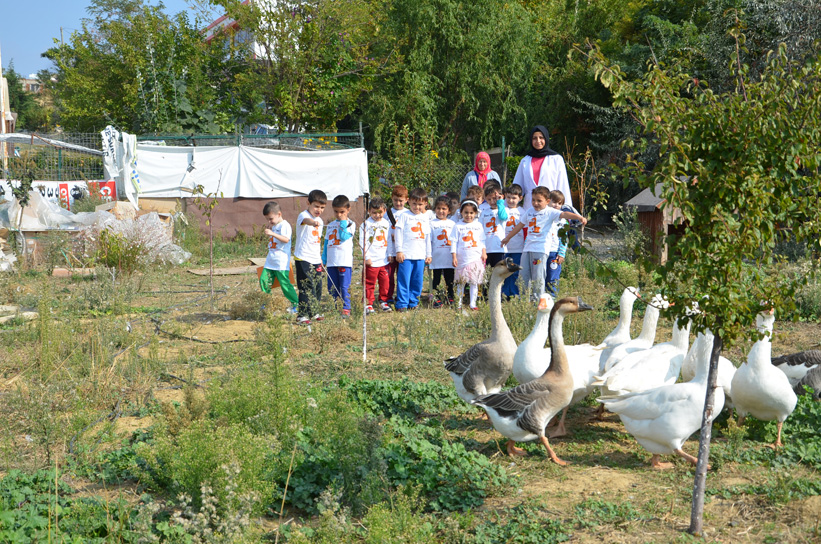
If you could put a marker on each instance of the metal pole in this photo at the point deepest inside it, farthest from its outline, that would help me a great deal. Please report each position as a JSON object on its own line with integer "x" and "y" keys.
{"x": 364, "y": 279}
{"x": 3, "y": 99}
{"x": 59, "y": 164}
{"x": 361, "y": 140}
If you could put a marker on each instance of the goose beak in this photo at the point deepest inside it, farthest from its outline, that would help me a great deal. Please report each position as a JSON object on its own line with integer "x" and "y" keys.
{"x": 583, "y": 306}
{"x": 542, "y": 303}
{"x": 511, "y": 266}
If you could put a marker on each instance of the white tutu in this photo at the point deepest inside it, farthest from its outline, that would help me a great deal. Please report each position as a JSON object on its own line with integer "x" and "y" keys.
{"x": 471, "y": 273}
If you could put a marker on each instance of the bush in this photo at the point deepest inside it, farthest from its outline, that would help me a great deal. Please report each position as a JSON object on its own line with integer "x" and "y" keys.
{"x": 634, "y": 242}
{"x": 403, "y": 398}
{"x": 116, "y": 251}
{"x": 183, "y": 464}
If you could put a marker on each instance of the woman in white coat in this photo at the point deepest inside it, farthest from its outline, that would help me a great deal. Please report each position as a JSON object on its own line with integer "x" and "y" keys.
{"x": 542, "y": 167}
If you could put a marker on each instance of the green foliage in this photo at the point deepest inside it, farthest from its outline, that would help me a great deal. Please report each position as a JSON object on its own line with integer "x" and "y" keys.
{"x": 634, "y": 243}
{"x": 522, "y": 524}
{"x": 448, "y": 475}
{"x": 594, "y": 512}
{"x": 186, "y": 462}
{"x": 30, "y": 114}
{"x": 405, "y": 398}
{"x": 115, "y": 250}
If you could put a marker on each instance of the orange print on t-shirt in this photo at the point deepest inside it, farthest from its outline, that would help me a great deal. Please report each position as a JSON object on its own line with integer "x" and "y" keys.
{"x": 491, "y": 225}
{"x": 272, "y": 243}
{"x": 418, "y": 229}
{"x": 469, "y": 238}
{"x": 532, "y": 226}
{"x": 444, "y": 236}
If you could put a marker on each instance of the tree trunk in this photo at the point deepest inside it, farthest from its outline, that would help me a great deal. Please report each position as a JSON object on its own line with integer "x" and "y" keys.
{"x": 697, "y": 513}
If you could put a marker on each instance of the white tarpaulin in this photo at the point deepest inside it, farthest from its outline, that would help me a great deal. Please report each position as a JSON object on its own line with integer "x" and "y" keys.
{"x": 239, "y": 171}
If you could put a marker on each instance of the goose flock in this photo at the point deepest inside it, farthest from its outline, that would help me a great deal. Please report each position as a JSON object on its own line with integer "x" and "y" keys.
{"x": 657, "y": 391}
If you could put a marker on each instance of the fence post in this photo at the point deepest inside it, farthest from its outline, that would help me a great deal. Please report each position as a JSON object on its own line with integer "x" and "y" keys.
{"x": 59, "y": 164}
{"x": 361, "y": 136}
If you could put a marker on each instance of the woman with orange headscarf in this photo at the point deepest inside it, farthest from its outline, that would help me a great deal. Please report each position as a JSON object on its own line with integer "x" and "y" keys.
{"x": 479, "y": 175}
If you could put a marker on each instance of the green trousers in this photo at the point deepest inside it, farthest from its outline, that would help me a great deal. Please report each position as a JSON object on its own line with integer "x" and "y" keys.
{"x": 267, "y": 278}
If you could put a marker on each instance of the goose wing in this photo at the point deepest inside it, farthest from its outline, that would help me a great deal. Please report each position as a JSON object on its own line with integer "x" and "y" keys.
{"x": 650, "y": 404}
{"x": 796, "y": 365}
{"x": 521, "y": 403}
{"x": 462, "y": 363}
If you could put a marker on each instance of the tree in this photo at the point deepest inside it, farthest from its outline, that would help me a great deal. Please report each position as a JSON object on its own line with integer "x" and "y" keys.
{"x": 465, "y": 69}
{"x": 30, "y": 114}
{"x": 307, "y": 63}
{"x": 740, "y": 165}
{"x": 133, "y": 66}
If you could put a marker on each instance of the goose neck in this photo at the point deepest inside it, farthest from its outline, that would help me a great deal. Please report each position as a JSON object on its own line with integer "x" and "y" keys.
{"x": 498, "y": 325}
{"x": 648, "y": 327}
{"x": 558, "y": 356}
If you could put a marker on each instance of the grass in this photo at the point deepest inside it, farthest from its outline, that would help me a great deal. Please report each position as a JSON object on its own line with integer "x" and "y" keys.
{"x": 132, "y": 381}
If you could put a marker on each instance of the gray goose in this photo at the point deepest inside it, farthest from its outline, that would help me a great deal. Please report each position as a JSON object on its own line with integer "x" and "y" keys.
{"x": 485, "y": 367}
{"x": 797, "y": 365}
{"x": 522, "y": 413}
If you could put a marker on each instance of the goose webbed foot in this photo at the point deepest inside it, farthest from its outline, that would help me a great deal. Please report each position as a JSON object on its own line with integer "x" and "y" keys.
{"x": 560, "y": 429}
{"x": 658, "y": 465}
{"x": 689, "y": 458}
{"x": 551, "y": 453}
{"x": 513, "y": 451}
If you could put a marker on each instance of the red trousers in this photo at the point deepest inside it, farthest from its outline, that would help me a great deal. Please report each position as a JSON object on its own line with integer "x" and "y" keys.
{"x": 373, "y": 273}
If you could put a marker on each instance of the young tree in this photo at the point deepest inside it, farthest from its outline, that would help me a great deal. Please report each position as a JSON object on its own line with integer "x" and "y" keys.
{"x": 307, "y": 63}
{"x": 740, "y": 165}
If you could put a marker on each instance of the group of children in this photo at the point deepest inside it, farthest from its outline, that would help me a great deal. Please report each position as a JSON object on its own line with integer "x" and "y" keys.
{"x": 455, "y": 240}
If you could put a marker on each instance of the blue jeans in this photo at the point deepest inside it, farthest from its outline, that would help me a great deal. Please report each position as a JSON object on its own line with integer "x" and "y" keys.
{"x": 509, "y": 287}
{"x": 551, "y": 280}
{"x": 409, "y": 280}
{"x": 339, "y": 284}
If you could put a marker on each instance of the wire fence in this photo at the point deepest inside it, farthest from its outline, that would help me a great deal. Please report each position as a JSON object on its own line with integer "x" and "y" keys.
{"x": 46, "y": 162}
{"x": 293, "y": 142}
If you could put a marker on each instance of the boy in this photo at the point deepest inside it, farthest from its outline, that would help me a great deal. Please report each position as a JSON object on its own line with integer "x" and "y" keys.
{"x": 375, "y": 243}
{"x": 441, "y": 260}
{"x": 337, "y": 254}
{"x": 539, "y": 220}
{"x": 513, "y": 195}
{"x": 484, "y": 205}
{"x": 278, "y": 262}
{"x": 413, "y": 251}
{"x": 493, "y": 221}
{"x": 399, "y": 197}
{"x": 308, "y": 257}
{"x": 558, "y": 247}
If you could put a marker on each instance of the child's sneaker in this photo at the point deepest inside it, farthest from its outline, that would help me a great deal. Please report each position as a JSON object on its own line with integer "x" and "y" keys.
{"x": 438, "y": 304}
{"x": 385, "y": 307}
{"x": 369, "y": 309}
{"x": 303, "y": 320}
{"x": 319, "y": 317}
{"x": 346, "y": 314}
{"x": 474, "y": 308}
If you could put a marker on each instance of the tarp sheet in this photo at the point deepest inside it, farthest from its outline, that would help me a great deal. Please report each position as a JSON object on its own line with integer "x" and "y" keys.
{"x": 247, "y": 172}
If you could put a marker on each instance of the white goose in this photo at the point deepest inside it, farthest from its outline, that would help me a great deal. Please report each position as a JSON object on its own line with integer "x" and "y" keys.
{"x": 531, "y": 358}
{"x": 621, "y": 333}
{"x": 644, "y": 340}
{"x": 724, "y": 380}
{"x": 663, "y": 418}
{"x": 485, "y": 367}
{"x": 649, "y": 368}
{"x": 758, "y": 387}
{"x": 522, "y": 413}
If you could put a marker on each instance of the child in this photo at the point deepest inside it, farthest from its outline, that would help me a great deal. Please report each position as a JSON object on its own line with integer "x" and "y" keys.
{"x": 441, "y": 259}
{"x": 399, "y": 197}
{"x": 557, "y": 247}
{"x": 413, "y": 251}
{"x": 469, "y": 253}
{"x": 513, "y": 195}
{"x": 453, "y": 205}
{"x": 475, "y": 194}
{"x": 278, "y": 262}
{"x": 493, "y": 220}
{"x": 484, "y": 205}
{"x": 375, "y": 242}
{"x": 539, "y": 220}
{"x": 337, "y": 254}
{"x": 308, "y": 257}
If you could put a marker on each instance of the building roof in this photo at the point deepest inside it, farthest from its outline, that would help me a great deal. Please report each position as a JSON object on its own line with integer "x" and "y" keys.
{"x": 647, "y": 201}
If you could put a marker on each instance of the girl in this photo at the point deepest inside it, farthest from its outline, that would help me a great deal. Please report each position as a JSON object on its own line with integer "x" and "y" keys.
{"x": 469, "y": 254}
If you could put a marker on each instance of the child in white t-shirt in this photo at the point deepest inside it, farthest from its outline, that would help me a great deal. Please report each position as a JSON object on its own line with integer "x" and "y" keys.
{"x": 375, "y": 242}
{"x": 441, "y": 259}
{"x": 308, "y": 257}
{"x": 399, "y": 197}
{"x": 413, "y": 251}
{"x": 493, "y": 219}
{"x": 278, "y": 262}
{"x": 513, "y": 195}
{"x": 539, "y": 220}
{"x": 468, "y": 251}
{"x": 338, "y": 253}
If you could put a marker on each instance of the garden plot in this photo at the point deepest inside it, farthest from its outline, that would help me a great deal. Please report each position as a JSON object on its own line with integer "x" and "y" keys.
{"x": 140, "y": 388}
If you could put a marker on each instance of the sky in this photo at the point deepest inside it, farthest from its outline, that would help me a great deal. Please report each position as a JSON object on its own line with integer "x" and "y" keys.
{"x": 29, "y": 28}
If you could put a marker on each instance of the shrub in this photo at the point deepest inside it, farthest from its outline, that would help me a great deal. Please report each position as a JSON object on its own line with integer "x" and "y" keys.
{"x": 403, "y": 398}
{"x": 114, "y": 250}
{"x": 183, "y": 464}
{"x": 634, "y": 242}
{"x": 523, "y": 525}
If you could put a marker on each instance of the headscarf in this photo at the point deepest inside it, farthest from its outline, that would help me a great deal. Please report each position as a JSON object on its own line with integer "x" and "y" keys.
{"x": 481, "y": 175}
{"x": 545, "y": 151}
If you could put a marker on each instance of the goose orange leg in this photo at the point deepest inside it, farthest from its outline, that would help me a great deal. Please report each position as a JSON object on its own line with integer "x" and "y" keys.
{"x": 560, "y": 430}
{"x": 551, "y": 453}
{"x": 778, "y": 443}
{"x": 513, "y": 451}
{"x": 658, "y": 465}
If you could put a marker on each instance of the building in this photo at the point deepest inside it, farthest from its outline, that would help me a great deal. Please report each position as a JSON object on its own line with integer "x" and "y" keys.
{"x": 31, "y": 83}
